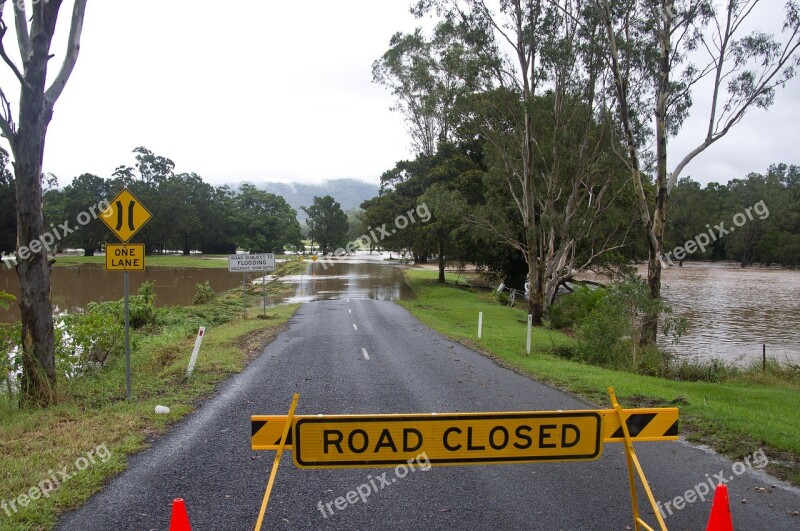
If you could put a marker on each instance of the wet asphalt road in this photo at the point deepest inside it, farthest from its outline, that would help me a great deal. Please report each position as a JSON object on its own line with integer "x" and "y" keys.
{"x": 207, "y": 459}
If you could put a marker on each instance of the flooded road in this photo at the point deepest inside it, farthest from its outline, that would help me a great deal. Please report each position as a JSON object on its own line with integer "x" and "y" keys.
{"x": 349, "y": 279}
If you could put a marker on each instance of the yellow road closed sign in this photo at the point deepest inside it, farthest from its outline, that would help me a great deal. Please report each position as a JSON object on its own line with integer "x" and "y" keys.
{"x": 451, "y": 439}
{"x": 125, "y": 257}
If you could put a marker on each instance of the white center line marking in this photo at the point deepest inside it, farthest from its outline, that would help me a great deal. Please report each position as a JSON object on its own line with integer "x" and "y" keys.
{"x": 364, "y": 352}
{"x": 348, "y": 300}
{"x": 349, "y": 310}
{"x": 355, "y": 327}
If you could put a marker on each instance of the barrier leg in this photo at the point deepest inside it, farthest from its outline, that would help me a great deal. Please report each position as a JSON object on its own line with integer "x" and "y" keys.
{"x": 276, "y": 462}
{"x": 633, "y": 463}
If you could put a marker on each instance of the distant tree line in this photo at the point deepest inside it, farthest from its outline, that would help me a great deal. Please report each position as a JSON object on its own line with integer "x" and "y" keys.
{"x": 772, "y": 236}
{"x": 188, "y": 213}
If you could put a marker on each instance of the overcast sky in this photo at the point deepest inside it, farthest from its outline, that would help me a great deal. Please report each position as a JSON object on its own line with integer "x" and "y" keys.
{"x": 281, "y": 91}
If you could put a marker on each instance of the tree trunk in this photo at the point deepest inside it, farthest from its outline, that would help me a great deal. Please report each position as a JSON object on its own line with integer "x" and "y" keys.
{"x": 656, "y": 238}
{"x": 38, "y": 358}
{"x": 441, "y": 260}
{"x": 536, "y": 302}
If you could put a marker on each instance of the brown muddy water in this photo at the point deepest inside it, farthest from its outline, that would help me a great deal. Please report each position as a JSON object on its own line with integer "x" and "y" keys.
{"x": 731, "y": 311}
{"x": 349, "y": 279}
{"x": 75, "y": 286}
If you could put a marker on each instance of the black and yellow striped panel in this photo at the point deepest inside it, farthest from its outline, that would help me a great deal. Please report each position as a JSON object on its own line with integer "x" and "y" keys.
{"x": 644, "y": 425}
{"x": 267, "y": 432}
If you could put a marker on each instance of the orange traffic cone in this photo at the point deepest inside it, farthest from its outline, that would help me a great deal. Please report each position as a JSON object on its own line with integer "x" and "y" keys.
{"x": 720, "y": 518}
{"x": 180, "y": 518}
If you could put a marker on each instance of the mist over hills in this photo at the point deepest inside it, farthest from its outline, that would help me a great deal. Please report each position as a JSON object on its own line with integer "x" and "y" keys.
{"x": 350, "y": 193}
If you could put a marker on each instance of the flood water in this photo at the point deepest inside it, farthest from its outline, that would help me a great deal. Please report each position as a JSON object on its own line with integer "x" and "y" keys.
{"x": 75, "y": 286}
{"x": 349, "y": 279}
{"x": 731, "y": 311}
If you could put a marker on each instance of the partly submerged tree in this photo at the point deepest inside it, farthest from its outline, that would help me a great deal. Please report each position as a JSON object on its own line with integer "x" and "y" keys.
{"x": 25, "y": 133}
{"x": 328, "y": 223}
{"x": 657, "y": 51}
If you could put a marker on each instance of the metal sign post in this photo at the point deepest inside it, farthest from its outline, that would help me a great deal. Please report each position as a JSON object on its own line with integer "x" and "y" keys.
{"x": 127, "y": 338}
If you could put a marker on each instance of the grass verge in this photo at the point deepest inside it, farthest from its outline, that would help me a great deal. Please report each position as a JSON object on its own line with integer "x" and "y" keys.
{"x": 93, "y": 429}
{"x": 735, "y": 417}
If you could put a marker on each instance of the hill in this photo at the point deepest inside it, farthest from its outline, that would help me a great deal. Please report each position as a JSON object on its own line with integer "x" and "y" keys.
{"x": 350, "y": 193}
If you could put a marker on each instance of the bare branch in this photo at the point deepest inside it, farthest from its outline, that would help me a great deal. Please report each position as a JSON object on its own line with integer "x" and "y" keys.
{"x": 6, "y": 58}
{"x": 6, "y": 122}
{"x": 74, "y": 47}
{"x": 21, "y": 25}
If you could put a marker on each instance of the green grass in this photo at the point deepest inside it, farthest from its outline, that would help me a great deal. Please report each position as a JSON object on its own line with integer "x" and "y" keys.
{"x": 735, "y": 417}
{"x": 92, "y": 410}
{"x": 196, "y": 260}
{"x": 218, "y": 261}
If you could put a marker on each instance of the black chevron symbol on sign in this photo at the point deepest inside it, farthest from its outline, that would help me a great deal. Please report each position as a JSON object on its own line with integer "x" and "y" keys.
{"x": 256, "y": 425}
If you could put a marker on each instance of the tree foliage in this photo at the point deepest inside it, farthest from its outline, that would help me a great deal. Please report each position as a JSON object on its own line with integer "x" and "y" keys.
{"x": 327, "y": 223}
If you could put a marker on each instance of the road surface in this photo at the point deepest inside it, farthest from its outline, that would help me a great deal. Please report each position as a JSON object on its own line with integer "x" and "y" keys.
{"x": 367, "y": 356}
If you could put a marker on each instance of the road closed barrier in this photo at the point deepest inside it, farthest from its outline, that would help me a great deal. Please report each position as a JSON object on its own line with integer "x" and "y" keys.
{"x": 349, "y": 441}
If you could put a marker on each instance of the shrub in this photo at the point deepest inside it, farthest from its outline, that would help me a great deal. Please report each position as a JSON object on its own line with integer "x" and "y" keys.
{"x": 143, "y": 310}
{"x": 610, "y": 332}
{"x": 204, "y": 293}
{"x": 574, "y": 307}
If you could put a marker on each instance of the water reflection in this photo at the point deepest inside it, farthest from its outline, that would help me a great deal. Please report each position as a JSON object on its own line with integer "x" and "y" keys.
{"x": 349, "y": 279}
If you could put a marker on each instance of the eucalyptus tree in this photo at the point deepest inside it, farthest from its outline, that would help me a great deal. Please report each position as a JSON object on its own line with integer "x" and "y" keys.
{"x": 658, "y": 51}
{"x": 26, "y": 134}
{"x": 546, "y": 139}
{"x": 428, "y": 75}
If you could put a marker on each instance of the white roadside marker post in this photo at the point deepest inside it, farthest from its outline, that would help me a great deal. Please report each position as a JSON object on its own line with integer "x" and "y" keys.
{"x": 528, "y": 343}
{"x": 480, "y": 324}
{"x": 200, "y": 334}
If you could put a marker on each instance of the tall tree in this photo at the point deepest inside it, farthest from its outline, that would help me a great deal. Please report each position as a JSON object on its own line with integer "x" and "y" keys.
{"x": 546, "y": 140}
{"x": 83, "y": 192}
{"x": 26, "y": 136}
{"x": 328, "y": 223}
{"x": 649, "y": 46}
{"x": 265, "y": 223}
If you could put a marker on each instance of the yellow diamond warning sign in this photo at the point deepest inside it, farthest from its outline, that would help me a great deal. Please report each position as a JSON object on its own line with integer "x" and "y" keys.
{"x": 125, "y": 215}
{"x": 125, "y": 257}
